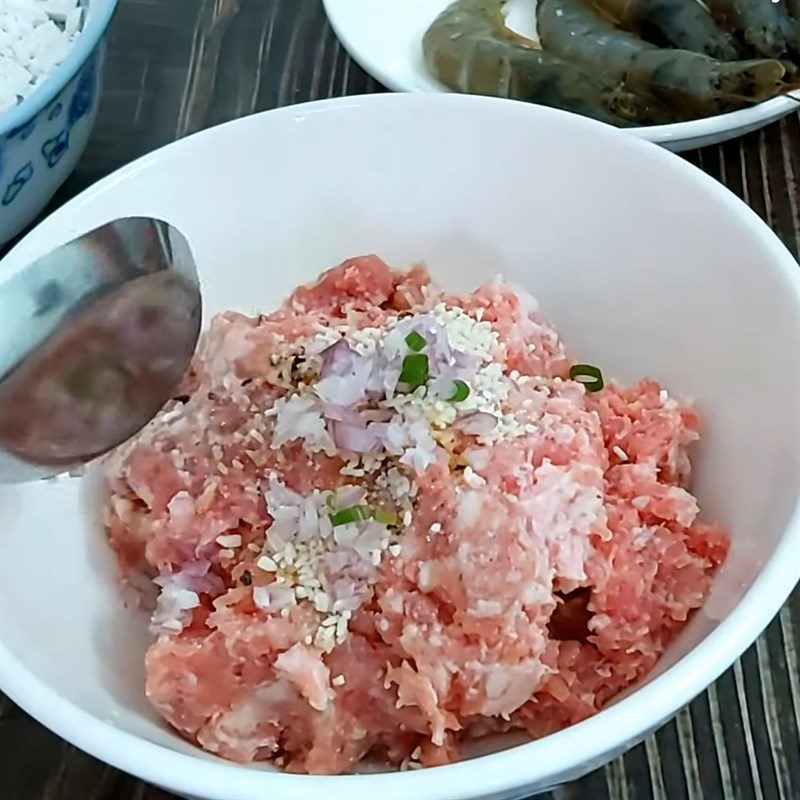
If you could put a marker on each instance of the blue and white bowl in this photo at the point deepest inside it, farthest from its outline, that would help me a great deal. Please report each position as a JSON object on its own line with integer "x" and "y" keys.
{"x": 42, "y": 138}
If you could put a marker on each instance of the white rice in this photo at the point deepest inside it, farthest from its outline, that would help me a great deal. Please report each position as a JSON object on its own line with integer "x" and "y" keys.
{"x": 35, "y": 37}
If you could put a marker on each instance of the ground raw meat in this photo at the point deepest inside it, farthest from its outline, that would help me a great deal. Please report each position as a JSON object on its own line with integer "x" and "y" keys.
{"x": 354, "y": 559}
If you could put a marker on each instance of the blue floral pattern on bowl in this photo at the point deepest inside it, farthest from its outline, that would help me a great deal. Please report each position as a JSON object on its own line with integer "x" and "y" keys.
{"x": 82, "y": 100}
{"x": 17, "y": 182}
{"x": 53, "y": 149}
{"x": 23, "y": 131}
{"x": 39, "y": 151}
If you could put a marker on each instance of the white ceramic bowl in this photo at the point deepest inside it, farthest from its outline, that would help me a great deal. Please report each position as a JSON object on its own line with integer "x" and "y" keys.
{"x": 647, "y": 266}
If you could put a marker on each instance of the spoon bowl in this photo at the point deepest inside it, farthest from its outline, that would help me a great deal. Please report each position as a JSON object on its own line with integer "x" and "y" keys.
{"x": 94, "y": 337}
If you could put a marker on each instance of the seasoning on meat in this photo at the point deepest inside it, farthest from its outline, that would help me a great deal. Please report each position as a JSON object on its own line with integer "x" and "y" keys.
{"x": 354, "y": 561}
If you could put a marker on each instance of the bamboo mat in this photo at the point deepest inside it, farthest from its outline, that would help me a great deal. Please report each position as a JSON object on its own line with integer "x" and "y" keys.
{"x": 177, "y": 66}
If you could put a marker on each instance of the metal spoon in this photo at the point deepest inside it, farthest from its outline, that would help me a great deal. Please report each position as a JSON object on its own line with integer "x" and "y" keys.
{"x": 94, "y": 338}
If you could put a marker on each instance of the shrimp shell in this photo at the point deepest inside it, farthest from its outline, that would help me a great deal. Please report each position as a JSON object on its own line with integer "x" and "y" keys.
{"x": 468, "y": 48}
{"x": 690, "y": 83}
{"x": 764, "y": 24}
{"x": 684, "y": 24}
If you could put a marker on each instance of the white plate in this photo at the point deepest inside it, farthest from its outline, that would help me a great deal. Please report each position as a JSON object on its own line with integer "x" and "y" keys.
{"x": 384, "y": 37}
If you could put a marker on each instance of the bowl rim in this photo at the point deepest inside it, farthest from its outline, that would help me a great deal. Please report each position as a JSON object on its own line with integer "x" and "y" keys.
{"x": 596, "y": 739}
{"x": 98, "y": 17}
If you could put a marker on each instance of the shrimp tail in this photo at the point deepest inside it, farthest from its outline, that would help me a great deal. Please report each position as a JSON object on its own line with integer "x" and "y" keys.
{"x": 755, "y": 79}
{"x": 691, "y": 84}
{"x": 703, "y": 85}
{"x": 683, "y": 24}
{"x": 766, "y": 25}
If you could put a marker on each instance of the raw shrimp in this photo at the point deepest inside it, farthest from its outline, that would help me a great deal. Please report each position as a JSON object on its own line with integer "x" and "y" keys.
{"x": 691, "y": 83}
{"x": 469, "y": 49}
{"x": 684, "y": 24}
{"x": 764, "y": 24}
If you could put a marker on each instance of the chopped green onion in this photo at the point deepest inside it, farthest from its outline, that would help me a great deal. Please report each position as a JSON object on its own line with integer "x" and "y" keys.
{"x": 415, "y": 370}
{"x": 385, "y": 517}
{"x": 415, "y": 341}
{"x": 460, "y": 391}
{"x": 587, "y": 374}
{"x": 352, "y": 514}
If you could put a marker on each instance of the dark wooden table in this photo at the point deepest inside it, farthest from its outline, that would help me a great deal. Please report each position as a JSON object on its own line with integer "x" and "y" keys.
{"x": 176, "y": 66}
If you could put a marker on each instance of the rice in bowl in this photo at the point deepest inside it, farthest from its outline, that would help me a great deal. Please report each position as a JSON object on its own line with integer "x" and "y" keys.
{"x": 35, "y": 37}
